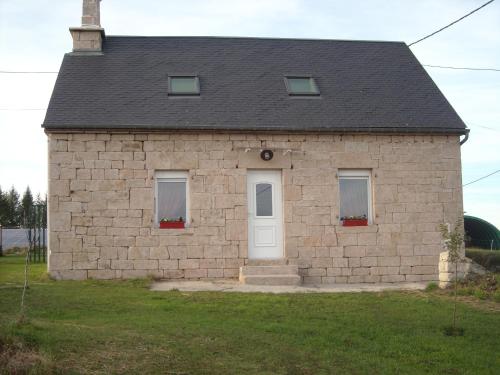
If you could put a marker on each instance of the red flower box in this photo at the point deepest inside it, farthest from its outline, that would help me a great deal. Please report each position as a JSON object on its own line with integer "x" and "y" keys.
{"x": 171, "y": 224}
{"x": 355, "y": 222}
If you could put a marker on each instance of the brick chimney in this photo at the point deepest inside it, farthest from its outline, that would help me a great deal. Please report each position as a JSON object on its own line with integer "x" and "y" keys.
{"x": 89, "y": 37}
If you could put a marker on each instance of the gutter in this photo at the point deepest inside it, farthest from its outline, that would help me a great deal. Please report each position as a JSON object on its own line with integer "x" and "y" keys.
{"x": 467, "y": 131}
{"x": 276, "y": 129}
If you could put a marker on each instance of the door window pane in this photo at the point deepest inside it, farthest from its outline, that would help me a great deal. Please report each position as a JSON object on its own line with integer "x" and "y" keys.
{"x": 353, "y": 197}
{"x": 264, "y": 199}
{"x": 171, "y": 199}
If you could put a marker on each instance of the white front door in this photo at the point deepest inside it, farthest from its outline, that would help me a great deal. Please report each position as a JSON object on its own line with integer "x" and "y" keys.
{"x": 265, "y": 214}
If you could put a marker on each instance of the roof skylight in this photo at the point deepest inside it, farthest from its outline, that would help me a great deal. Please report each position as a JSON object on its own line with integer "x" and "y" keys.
{"x": 183, "y": 85}
{"x": 301, "y": 86}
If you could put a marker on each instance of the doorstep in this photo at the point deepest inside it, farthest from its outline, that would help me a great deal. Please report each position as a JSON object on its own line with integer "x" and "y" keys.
{"x": 235, "y": 286}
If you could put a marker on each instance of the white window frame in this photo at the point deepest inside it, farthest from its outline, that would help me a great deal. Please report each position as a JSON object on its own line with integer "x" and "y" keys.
{"x": 358, "y": 174}
{"x": 173, "y": 176}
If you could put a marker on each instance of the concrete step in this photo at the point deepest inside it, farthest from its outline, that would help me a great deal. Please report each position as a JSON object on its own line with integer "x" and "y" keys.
{"x": 266, "y": 262}
{"x": 270, "y": 275}
{"x": 269, "y": 270}
{"x": 270, "y": 279}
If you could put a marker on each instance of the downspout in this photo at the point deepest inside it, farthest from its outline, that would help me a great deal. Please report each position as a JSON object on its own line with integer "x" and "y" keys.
{"x": 467, "y": 131}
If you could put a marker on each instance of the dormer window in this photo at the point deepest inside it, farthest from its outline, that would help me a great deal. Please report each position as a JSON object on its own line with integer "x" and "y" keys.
{"x": 301, "y": 86}
{"x": 183, "y": 85}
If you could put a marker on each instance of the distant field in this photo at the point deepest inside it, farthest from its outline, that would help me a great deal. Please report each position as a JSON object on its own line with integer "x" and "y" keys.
{"x": 102, "y": 327}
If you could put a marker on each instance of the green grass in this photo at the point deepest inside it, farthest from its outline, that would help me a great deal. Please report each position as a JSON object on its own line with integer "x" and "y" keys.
{"x": 122, "y": 327}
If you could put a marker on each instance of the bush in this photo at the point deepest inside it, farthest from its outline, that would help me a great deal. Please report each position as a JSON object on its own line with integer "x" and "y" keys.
{"x": 431, "y": 286}
{"x": 489, "y": 259}
{"x": 496, "y": 296}
{"x": 481, "y": 294}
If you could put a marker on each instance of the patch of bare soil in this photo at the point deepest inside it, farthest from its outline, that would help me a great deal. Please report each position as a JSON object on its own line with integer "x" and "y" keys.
{"x": 17, "y": 358}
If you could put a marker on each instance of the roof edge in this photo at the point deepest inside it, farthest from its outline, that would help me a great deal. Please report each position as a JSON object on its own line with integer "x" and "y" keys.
{"x": 256, "y": 38}
{"x": 142, "y": 129}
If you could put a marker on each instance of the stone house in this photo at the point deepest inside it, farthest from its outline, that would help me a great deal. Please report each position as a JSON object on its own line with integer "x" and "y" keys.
{"x": 264, "y": 147}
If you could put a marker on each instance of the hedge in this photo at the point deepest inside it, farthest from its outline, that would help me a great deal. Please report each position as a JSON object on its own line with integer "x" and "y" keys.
{"x": 489, "y": 259}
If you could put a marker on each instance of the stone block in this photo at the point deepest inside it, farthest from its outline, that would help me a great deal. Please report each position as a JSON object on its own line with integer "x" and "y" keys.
{"x": 171, "y": 264}
{"x": 194, "y": 251}
{"x": 127, "y": 222}
{"x": 425, "y": 270}
{"x": 121, "y": 264}
{"x": 347, "y": 239}
{"x": 102, "y": 274}
{"x": 60, "y": 261}
{"x": 335, "y": 271}
{"x": 160, "y": 252}
{"x": 60, "y": 222}
{"x": 355, "y": 251}
{"x": 142, "y": 264}
{"x": 70, "y": 245}
{"x": 138, "y": 253}
{"x": 393, "y": 278}
{"x": 369, "y": 261}
{"x": 177, "y": 252}
{"x": 195, "y": 273}
{"x": 236, "y": 230}
{"x": 367, "y": 239}
{"x": 340, "y": 262}
{"x": 68, "y": 274}
{"x": 141, "y": 198}
{"x": 189, "y": 263}
{"x": 59, "y": 188}
{"x": 213, "y": 251}
{"x": 231, "y": 272}
{"x": 215, "y": 273}
{"x": 141, "y": 274}
{"x": 321, "y": 263}
{"x": 389, "y": 261}
{"x": 354, "y": 262}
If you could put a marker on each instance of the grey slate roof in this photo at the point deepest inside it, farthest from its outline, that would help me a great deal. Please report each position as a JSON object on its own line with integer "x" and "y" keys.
{"x": 365, "y": 86}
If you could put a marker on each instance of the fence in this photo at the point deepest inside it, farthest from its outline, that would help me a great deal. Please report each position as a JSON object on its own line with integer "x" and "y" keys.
{"x": 35, "y": 224}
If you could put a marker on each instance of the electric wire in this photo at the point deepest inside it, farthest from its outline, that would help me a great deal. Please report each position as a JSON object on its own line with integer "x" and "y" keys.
{"x": 450, "y": 24}
{"x": 481, "y": 178}
{"x": 461, "y": 68}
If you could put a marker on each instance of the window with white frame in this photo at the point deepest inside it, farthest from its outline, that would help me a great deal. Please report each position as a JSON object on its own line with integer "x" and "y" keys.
{"x": 171, "y": 195}
{"x": 355, "y": 194}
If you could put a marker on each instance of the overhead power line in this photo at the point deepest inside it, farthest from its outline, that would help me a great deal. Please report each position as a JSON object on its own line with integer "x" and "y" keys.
{"x": 450, "y": 24}
{"x": 485, "y": 127}
{"x": 461, "y": 68}
{"x": 482, "y": 178}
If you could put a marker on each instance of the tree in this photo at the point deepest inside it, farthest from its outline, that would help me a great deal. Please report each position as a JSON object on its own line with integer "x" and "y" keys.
{"x": 3, "y": 208}
{"x": 454, "y": 242}
{"x": 26, "y": 204}
{"x": 13, "y": 205}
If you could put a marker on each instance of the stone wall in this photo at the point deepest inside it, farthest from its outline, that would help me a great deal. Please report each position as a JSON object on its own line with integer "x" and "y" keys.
{"x": 101, "y": 204}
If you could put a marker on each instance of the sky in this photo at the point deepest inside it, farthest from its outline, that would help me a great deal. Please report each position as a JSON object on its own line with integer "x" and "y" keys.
{"x": 34, "y": 37}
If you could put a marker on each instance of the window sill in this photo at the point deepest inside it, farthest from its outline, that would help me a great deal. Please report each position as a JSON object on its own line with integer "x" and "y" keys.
{"x": 157, "y": 231}
{"x": 370, "y": 228}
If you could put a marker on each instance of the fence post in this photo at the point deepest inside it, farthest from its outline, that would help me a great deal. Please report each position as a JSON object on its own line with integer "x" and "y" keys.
{"x": 1, "y": 240}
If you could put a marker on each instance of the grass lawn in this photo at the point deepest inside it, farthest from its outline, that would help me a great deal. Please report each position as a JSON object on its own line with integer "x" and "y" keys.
{"x": 122, "y": 327}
